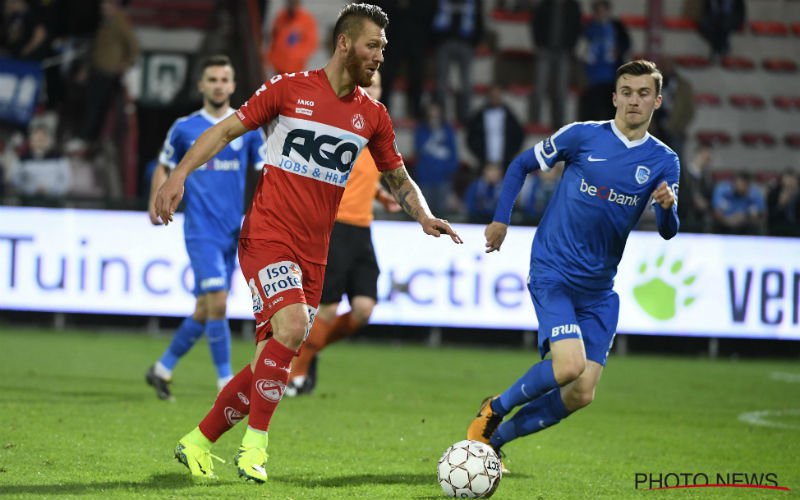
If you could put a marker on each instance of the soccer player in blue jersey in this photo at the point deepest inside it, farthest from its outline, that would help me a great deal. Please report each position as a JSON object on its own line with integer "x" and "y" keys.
{"x": 612, "y": 169}
{"x": 214, "y": 204}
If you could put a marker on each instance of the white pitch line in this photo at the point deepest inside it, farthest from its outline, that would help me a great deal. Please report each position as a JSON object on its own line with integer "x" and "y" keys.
{"x": 761, "y": 418}
{"x": 793, "y": 378}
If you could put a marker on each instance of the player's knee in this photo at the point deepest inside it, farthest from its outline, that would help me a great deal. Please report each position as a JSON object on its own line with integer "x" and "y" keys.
{"x": 291, "y": 331}
{"x": 361, "y": 315}
{"x": 569, "y": 368}
{"x": 577, "y": 399}
{"x": 200, "y": 313}
{"x": 217, "y": 307}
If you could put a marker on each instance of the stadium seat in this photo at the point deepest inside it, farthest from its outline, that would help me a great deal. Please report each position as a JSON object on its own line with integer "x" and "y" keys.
{"x": 538, "y": 129}
{"x": 511, "y": 16}
{"x": 707, "y": 99}
{"x": 691, "y": 61}
{"x": 778, "y": 65}
{"x": 796, "y": 29}
{"x": 635, "y": 21}
{"x": 754, "y": 139}
{"x": 792, "y": 140}
{"x": 713, "y": 137}
{"x": 172, "y": 13}
{"x": 738, "y": 63}
{"x": 747, "y": 101}
{"x": 768, "y": 28}
{"x": 520, "y": 89}
{"x": 786, "y": 102}
{"x": 680, "y": 23}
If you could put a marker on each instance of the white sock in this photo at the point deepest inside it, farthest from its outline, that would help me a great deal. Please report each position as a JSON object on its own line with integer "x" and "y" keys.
{"x": 162, "y": 371}
{"x": 223, "y": 381}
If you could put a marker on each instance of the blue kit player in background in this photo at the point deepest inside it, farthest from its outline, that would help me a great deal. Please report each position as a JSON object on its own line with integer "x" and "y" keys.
{"x": 214, "y": 204}
{"x": 612, "y": 169}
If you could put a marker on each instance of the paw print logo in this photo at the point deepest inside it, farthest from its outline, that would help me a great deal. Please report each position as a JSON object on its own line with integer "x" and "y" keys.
{"x": 663, "y": 288}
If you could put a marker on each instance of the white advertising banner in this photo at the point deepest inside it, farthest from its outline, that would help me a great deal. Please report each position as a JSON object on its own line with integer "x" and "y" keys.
{"x": 118, "y": 263}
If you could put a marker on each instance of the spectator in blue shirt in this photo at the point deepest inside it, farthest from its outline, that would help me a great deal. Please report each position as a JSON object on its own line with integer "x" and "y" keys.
{"x": 483, "y": 193}
{"x": 437, "y": 158}
{"x": 738, "y": 206}
{"x": 608, "y": 43}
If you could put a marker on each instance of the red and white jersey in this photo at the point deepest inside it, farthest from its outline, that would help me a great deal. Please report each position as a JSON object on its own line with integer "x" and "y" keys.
{"x": 316, "y": 140}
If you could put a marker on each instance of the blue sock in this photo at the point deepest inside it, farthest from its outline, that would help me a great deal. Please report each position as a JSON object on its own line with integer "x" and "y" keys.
{"x": 537, "y": 381}
{"x": 183, "y": 340}
{"x": 535, "y": 416}
{"x": 218, "y": 333}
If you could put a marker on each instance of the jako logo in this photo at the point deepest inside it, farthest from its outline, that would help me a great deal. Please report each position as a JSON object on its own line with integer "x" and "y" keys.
{"x": 327, "y": 151}
{"x": 606, "y": 193}
{"x": 565, "y": 329}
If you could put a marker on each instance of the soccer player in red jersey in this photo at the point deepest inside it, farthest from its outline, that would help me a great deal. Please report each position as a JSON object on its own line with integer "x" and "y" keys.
{"x": 323, "y": 119}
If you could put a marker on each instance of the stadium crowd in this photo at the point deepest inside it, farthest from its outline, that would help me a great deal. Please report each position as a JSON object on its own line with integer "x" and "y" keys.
{"x": 66, "y": 150}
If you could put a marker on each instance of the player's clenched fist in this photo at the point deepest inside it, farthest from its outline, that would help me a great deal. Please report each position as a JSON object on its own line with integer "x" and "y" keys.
{"x": 169, "y": 197}
{"x": 664, "y": 196}
{"x": 495, "y": 234}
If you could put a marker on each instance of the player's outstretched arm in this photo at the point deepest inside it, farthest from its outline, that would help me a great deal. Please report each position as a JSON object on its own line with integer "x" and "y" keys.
{"x": 666, "y": 211}
{"x": 210, "y": 142}
{"x": 159, "y": 176}
{"x": 407, "y": 194}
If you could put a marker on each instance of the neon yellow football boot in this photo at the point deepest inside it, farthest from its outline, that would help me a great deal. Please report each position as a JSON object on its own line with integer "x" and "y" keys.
{"x": 251, "y": 460}
{"x": 194, "y": 451}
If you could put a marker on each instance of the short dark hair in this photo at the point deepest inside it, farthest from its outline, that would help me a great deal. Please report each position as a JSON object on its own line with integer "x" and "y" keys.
{"x": 641, "y": 67}
{"x": 216, "y": 60}
{"x": 352, "y": 15}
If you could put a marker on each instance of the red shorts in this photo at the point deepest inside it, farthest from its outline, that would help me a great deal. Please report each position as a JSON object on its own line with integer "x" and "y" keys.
{"x": 278, "y": 277}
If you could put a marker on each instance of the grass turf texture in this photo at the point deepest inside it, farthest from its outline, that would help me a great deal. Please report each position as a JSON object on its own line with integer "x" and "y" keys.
{"x": 78, "y": 421}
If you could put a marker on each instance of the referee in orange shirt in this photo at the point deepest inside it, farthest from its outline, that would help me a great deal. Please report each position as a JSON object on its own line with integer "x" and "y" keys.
{"x": 352, "y": 267}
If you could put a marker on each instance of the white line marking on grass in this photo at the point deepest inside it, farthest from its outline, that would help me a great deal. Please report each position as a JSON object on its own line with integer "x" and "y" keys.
{"x": 762, "y": 418}
{"x": 793, "y": 378}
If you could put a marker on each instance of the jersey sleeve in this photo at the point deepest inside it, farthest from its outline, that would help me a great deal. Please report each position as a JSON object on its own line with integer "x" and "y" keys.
{"x": 558, "y": 147}
{"x": 173, "y": 149}
{"x": 382, "y": 144}
{"x": 257, "y": 148}
{"x": 265, "y": 104}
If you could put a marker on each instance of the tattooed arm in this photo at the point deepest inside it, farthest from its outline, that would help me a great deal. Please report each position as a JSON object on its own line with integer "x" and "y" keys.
{"x": 407, "y": 194}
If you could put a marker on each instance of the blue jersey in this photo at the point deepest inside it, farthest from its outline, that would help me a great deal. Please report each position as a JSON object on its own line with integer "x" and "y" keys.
{"x": 605, "y": 187}
{"x": 214, "y": 193}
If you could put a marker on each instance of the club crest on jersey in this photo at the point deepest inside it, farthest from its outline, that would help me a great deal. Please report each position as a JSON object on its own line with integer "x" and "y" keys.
{"x": 642, "y": 174}
{"x": 358, "y": 121}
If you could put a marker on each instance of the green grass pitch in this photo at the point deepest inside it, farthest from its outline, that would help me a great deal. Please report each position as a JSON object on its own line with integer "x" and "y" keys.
{"x": 78, "y": 421}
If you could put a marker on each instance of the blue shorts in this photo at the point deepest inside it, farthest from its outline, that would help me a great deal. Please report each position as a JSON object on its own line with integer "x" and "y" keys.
{"x": 213, "y": 263}
{"x": 565, "y": 313}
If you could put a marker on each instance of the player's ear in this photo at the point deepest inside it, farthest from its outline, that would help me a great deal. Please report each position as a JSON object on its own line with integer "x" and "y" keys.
{"x": 343, "y": 42}
{"x": 614, "y": 98}
{"x": 658, "y": 101}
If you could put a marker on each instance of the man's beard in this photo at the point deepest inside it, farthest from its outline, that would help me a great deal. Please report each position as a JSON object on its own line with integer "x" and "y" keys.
{"x": 356, "y": 69}
{"x": 218, "y": 104}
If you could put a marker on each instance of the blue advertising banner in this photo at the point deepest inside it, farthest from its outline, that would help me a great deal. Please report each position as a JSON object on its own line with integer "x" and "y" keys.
{"x": 20, "y": 84}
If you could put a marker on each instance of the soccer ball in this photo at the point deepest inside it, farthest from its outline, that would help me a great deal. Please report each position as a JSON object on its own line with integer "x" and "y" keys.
{"x": 469, "y": 469}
